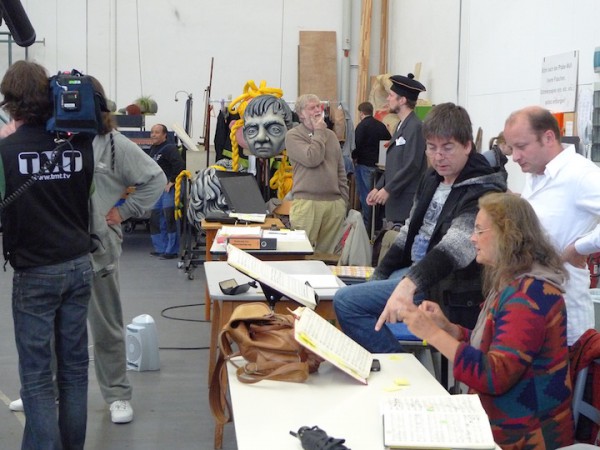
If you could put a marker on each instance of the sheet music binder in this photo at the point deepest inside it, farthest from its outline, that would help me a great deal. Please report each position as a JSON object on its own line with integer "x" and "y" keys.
{"x": 275, "y": 283}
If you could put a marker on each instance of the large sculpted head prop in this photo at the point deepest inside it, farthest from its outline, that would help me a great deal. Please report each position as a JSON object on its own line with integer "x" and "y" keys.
{"x": 266, "y": 121}
{"x": 269, "y": 117}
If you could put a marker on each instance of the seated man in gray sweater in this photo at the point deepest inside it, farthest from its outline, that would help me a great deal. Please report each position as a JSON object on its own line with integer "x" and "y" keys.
{"x": 432, "y": 256}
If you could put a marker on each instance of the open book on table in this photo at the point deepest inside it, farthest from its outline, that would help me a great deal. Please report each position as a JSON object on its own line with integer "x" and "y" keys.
{"x": 242, "y": 217}
{"x": 226, "y": 232}
{"x": 271, "y": 278}
{"x": 321, "y": 337}
{"x": 437, "y": 422}
{"x": 352, "y": 274}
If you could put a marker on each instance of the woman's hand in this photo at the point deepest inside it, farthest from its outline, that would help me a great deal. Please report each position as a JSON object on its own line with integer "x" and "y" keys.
{"x": 435, "y": 313}
{"x": 429, "y": 323}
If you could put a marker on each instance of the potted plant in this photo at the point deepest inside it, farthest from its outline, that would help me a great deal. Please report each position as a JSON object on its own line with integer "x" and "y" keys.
{"x": 147, "y": 104}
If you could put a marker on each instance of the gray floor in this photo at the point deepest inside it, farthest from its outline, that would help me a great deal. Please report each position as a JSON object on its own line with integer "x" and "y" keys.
{"x": 171, "y": 405}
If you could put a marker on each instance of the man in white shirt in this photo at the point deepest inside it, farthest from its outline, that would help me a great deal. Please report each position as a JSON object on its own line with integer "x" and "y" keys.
{"x": 564, "y": 189}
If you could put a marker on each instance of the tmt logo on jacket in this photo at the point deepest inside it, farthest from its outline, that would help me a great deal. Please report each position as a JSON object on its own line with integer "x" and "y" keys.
{"x": 69, "y": 161}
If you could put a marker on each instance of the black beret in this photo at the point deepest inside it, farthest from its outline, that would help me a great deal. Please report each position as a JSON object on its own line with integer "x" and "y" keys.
{"x": 406, "y": 86}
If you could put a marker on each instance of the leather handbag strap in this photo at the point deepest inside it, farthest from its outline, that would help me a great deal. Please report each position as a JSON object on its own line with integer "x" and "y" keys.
{"x": 252, "y": 373}
{"x": 219, "y": 405}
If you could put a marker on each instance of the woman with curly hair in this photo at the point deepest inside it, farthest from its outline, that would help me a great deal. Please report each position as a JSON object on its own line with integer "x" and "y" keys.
{"x": 516, "y": 358}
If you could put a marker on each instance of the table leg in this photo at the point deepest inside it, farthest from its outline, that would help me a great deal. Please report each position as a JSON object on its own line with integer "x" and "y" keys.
{"x": 207, "y": 303}
{"x": 210, "y": 238}
{"x": 215, "y": 329}
{"x": 219, "y": 427}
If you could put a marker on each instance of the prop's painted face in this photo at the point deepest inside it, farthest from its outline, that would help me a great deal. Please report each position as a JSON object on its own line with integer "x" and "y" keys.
{"x": 265, "y": 135}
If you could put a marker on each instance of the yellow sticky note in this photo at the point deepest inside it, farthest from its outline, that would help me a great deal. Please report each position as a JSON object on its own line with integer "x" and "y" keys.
{"x": 401, "y": 382}
{"x": 394, "y": 388}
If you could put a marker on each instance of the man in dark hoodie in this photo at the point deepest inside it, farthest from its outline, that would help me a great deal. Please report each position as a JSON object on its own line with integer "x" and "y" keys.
{"x": 432, "y": 256}
{"x": 163, "y": 227}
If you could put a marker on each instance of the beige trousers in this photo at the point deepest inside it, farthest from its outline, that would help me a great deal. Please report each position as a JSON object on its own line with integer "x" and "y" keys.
{"x": 322, "y": 221}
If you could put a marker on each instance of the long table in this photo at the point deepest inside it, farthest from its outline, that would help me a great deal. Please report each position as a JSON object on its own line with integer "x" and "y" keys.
{"x": 285, "y": 250}
{"x": 265, "y": 412}
{"x": 223, "y": 305}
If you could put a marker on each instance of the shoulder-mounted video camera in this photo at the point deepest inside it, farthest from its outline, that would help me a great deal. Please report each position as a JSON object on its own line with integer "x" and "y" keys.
{"x": 77, "y": 106}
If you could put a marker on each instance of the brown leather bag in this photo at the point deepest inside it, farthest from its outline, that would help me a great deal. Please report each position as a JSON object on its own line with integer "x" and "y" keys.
{"x": 266, "y": 341}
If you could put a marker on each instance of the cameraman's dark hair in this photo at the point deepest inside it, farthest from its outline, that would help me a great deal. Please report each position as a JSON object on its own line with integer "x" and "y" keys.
{"x": 26, "y": 92}
{"x": 108, "y": 121}
{"x": 259, "y": 105}
{"x": 366, "y": 108}
{"x": 448, "y": 120}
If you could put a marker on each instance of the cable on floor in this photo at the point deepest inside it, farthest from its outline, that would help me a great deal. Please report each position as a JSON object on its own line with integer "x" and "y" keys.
{"x": 162, "y": 313}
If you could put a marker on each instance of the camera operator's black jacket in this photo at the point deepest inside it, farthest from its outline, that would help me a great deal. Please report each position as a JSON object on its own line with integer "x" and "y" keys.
{"x": 448, "y": 273}
{"x": 49, "y": 222}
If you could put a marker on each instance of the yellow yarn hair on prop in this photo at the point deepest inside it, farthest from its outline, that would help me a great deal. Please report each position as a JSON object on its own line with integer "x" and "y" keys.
{"x": 238, "y": 106}
{"x": 178, "y": 203}
{"x": 282, "y": 178}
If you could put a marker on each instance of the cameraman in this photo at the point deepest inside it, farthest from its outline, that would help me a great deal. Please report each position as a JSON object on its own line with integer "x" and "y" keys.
{"x": 46, "y": 241}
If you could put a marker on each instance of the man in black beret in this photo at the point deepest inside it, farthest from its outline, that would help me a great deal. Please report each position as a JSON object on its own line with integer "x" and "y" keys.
{"x": 405, "y": 160}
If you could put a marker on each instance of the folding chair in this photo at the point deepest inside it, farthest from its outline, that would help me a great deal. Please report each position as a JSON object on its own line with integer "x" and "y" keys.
{"x": 583, "y": 354}
{"x": 581, "y": 406}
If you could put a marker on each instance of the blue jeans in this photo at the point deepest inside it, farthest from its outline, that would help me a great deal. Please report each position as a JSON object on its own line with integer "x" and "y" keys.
{"x": 52, "y": 302}
{"x": 348, "y": 164}
{"x": 163, "y": 226}
{"x": 364, "y": 183}
{"x": 358, "y": 307}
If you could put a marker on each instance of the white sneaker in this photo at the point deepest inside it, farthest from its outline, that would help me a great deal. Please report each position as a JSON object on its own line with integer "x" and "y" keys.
{"x": 121, "y": 411}
{"x": 16, "y": 405}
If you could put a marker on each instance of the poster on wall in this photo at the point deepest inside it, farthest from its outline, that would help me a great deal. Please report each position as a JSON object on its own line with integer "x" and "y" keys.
{"x": 558, "y": 88}
{"x": 585, "y": 98}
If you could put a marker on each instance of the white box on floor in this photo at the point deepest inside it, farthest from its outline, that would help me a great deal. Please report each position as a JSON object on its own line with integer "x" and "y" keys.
{"x": 142, "y": 344}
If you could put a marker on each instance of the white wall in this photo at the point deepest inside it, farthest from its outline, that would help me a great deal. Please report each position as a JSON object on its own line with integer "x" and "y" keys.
{"x": 483, "y": 54}
{"x": 502, "y": 45}
{"x": 504, "y": 71}
{"x": 158, "y": 47}
{"x": 426, "y": 31}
